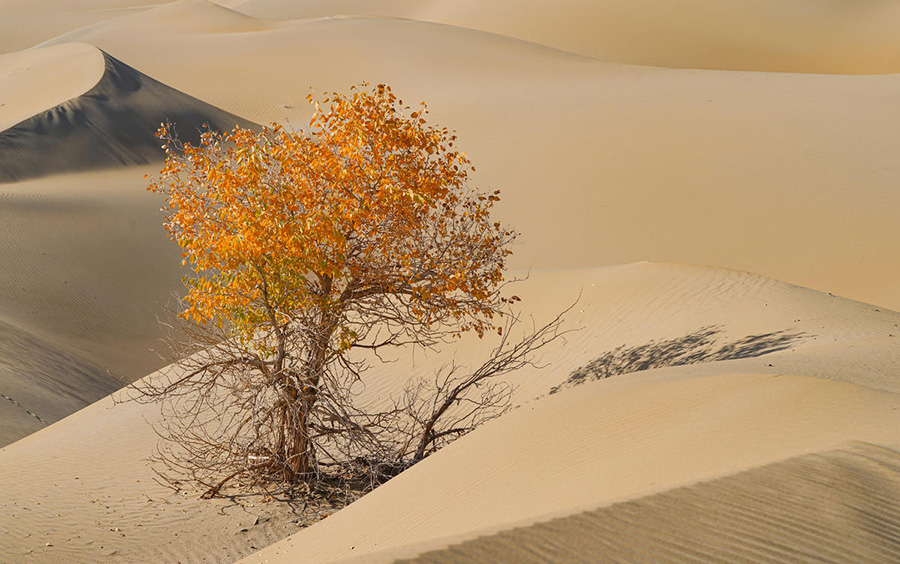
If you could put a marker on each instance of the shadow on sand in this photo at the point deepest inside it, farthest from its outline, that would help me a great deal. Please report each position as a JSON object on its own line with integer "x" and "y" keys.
{"x": 694, "y": 348}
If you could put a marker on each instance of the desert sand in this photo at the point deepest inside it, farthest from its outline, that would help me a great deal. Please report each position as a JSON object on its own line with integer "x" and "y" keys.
{"x": 631, "y": 142}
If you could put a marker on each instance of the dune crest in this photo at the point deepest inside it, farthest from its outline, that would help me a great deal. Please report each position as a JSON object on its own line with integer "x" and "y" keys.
{"x": 801, "y": 36}
{"x": 200, "y": 17}
{"x": 607, "y": 442}
{"x": 26, "y": 23}
{"x": 818, "y": 507}
{"x": 35, "y": 81}
{"x": 112, "y": 124}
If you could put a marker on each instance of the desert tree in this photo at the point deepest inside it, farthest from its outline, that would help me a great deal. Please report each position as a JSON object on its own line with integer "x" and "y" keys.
{"x": 311, "y": 252}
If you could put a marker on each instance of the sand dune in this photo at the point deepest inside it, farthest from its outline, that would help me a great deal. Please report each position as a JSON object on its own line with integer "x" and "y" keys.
{"x": 26, "y": 23}
{"x": 769, "y": 35}
{"x": 597, "y": 163}
{"x": 86, "y": 268}
{"x": 666, "y": 306}
{"x": 111, "y": 124}
{"x": 35, "y": 81}
{"x": 41, "y": 383}
{"x": 176, "y": 18}
{"x": 86, "y": 274}
{"x": 835, "y": 506}
{"x": 799, "y": 36}
{"x": 602, "y": 442}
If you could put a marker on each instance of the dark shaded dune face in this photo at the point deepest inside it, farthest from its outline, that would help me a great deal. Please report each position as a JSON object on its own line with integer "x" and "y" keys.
{"x": 32, "y": 393}
{"x": 111, "y": 125}
{"x": 839, "y": 506}
{"x": 87, "y": 273}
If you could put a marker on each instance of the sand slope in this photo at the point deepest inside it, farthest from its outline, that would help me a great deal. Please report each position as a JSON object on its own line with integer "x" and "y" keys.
{"x": 835, "y": 506}
{"x": 34, "y": 81}
{"x": 763, "y": 35}
{"x": 87, "y": 272}
{"x": 606, "y": 442}
{"x": 791, "y": 176}
{"x": 86, "y": 267}
{"x": 601, "y": 442}
{"x": 41, "y": 383}
{"x": 111, "y": 124}
{"x": 26, "y": 23}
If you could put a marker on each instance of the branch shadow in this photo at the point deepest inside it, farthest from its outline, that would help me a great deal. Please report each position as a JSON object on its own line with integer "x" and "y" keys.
{"x": 694, "y": 348}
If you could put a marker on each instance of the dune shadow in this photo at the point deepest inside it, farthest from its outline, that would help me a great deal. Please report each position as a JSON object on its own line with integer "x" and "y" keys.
{"x": 694, "y": 348}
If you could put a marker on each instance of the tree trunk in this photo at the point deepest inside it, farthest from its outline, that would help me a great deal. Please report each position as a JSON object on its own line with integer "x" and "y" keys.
{"x": 293, "y": 446}
{"x": 303, "y": 392}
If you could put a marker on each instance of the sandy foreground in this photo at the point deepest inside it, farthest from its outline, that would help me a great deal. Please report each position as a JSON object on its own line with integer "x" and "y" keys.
{"x": 583, "y": 447}
{"x": 757, "y": 139}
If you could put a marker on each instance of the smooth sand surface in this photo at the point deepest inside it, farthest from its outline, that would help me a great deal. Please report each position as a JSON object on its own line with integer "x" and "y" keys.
{"x": 652, "y": 431}
{"x": 41, "y": 383}
{"x": 765, "y": 35}
{"x": 616, "y": 440}
{"x": 86, "y": 275}
{"x": 834, "y": 506}
{"x": 768, "y": 408}
{"x": 26, "y": 23}
{"x": 34, "y": 81}
{"x": 807, "y": 36}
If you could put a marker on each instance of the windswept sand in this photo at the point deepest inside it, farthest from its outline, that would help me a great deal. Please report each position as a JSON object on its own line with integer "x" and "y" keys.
{"x": 748, "y": 419}
{"x": 610, "y": 442}
{"x": 627, "y": 437}
{"x": 35, "y": 81}
{"x": 806, "y": 36}
{"x": 26, "y": 23}
{"x": 834, "y": 506}
{"x": 41, "y": 383}
{"x": 86, "y": 275}
{"x": 584, "y": 447}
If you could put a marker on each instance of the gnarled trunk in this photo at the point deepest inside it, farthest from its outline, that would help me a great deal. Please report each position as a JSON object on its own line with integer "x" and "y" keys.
{"x": 295, "y": 445}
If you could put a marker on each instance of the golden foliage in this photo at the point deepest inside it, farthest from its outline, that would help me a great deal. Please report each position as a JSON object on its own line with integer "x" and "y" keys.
{"x": 366, "y": 217}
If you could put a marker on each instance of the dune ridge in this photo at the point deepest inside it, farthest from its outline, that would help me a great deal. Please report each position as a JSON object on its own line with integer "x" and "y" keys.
{"x": 112, "y": 124}
{"x": 606, "y": 442}
{"x": 178, "y": 17}
{"x": 26, "y": 23}
{"x": 803, "y": 36}
{"x": 37, "y": 80}
{"x": 834, "y": 506}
